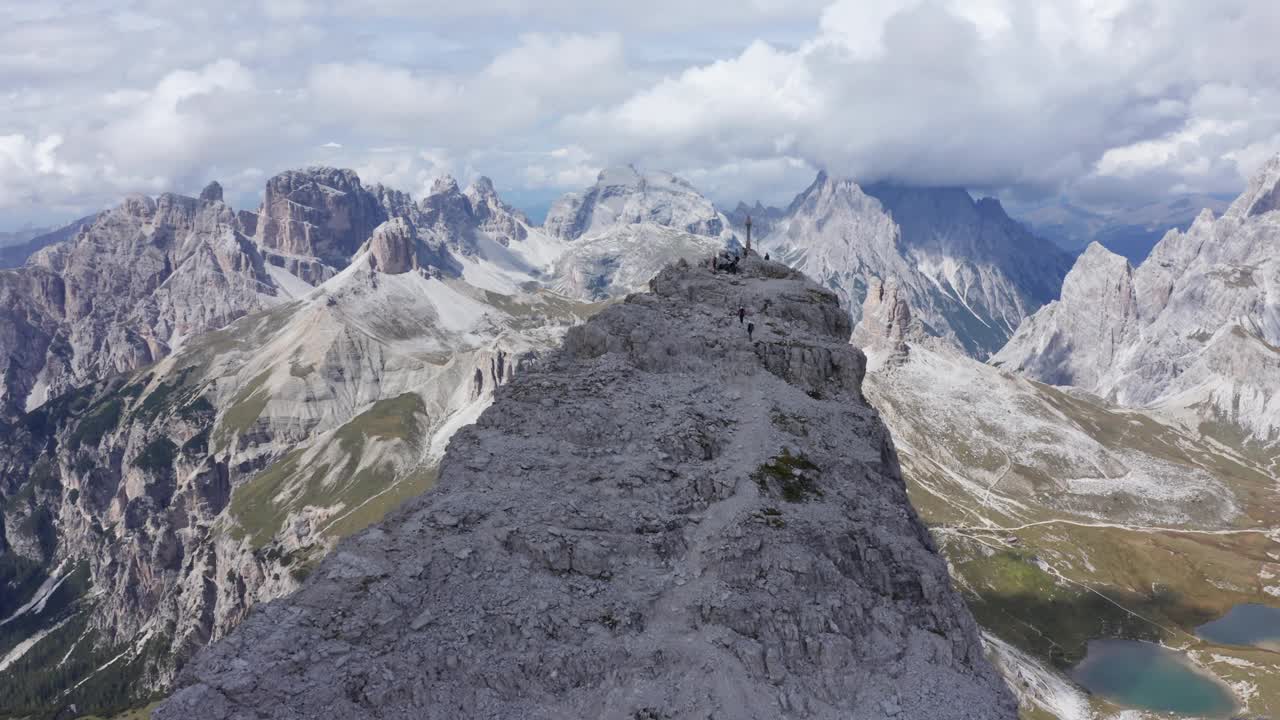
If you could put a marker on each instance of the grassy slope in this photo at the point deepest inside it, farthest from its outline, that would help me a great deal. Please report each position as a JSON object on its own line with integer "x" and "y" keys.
{"x": 363, "y": 495}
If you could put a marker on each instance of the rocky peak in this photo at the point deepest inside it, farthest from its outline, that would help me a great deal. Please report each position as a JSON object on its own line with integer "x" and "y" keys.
{"x": 319, "y": 212}
{"x": 909, "y": 201}
{"x": 1073, "y": 340}
{"x": 393, "y": 247}
{"x": 820, "y": 182}
{"x": 395, "y": 203}
{"x": 138, "y": 206}
{"x": 447, "y": 213}
{"x": 1152, "y": 336}
{"x": 968, "y": 271}
{"x": 587, "y": 555}
{"x": 1263, "y": 194}
{"x": 828, "y": 196}
{"x": 991, "y": 207}
{"x": 886, "y": 322}
{"x": 1097, "y": 272}
{"x": 481, "y": 187}
{"x": 620, "y": 176}
{"x": 625, "y": 196}
{"x": 211, "y": 192}
{"x": 499, "y": 220}
{"x": 444, "y": 185}
{"x": 763, "y": 219}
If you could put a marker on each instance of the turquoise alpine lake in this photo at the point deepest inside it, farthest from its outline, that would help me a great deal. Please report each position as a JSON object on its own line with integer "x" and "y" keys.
{"x": 1256, "y": 625}
{"x": 1149, "y": 677}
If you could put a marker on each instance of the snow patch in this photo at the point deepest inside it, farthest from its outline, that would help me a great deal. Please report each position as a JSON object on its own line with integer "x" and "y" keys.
{"x": 21, "y": 648}
{"x": 290, "y": 285}
{"x": 1037, "y": 685}
{"x": 39, "y": 394}
{"x": 38, "y": 601}
{"x": 460, "y": 419}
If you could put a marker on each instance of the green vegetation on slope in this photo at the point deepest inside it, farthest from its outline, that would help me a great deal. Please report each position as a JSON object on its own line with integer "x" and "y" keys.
{"x": 262, "y": 505}
{"x": 794, "y": 477}
{"x": 245, "y": 409}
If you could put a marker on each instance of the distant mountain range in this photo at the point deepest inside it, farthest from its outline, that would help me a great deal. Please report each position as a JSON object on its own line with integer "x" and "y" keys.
{"x": 1129, "y": 231}
{"x": 16, "y": 247}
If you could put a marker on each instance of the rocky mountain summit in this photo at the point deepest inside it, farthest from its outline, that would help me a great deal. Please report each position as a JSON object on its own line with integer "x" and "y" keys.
{"x": 714, "y": 527}
{"x": 1193, "y": 330}
{"x": 624, "y": 195}
{"x": 969, "y": 272}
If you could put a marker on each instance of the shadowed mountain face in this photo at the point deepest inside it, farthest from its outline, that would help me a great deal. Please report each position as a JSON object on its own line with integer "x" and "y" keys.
{"x": 970, "y": 272}
{"x": 661, "y": 519}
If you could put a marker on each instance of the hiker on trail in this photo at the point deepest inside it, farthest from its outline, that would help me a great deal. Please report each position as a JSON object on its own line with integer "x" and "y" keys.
{"x": 751, "y": 328}
{"x": 742, "y": 313}
{"x": 766, "y": 256}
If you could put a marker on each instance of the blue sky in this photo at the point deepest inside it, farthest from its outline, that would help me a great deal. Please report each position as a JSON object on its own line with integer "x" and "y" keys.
{"x": 1101, "y": 101}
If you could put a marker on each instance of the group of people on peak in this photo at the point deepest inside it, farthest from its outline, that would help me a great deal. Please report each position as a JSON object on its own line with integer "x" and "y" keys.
{"x": 729, "y": 260}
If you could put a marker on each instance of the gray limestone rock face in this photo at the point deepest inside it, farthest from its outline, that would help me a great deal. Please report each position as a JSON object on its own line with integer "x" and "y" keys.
{"x": 1079, "y": 346}
{"x": 624, "y": 196}
{"x": 318, "y": 212}
{"x": 392, "y": 249}
{"x": 664, "y": 518}
{"x": 886, "y": 322}
{"x": 211, "y": 192}
{"x": 122, "y": 292}
{"x": 1164, "y": 334}
{"x": 502, "y": 222}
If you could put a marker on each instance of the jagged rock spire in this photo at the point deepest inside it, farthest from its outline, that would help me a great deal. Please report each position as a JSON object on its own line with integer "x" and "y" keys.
{"x": 886, "y": 323}
{"x": 211, "y": 192}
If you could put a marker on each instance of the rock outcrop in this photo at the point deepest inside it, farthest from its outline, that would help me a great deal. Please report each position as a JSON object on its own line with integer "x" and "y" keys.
{"x": 318, "y": 212}
{"x": 662, "y": 519}
{"x": 502, "y": 222}
{"x": 886, "y": 323}
{"x": 1160, "y": 335}
{"x": 393, "y": 249}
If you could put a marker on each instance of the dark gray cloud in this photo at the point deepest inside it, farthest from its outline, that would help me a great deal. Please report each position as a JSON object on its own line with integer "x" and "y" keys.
{"x": 1097, "y": 99}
